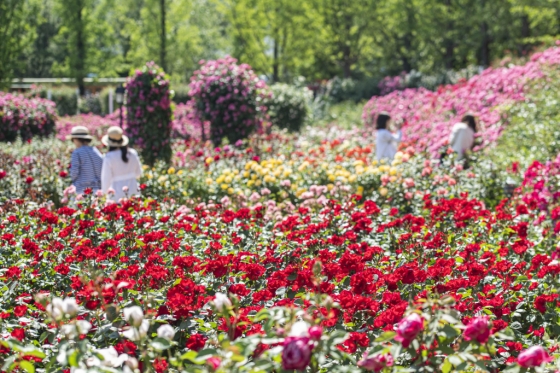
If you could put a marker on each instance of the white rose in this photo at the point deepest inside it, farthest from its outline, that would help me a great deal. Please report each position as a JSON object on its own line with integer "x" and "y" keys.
{"x": 136, "y": 334}
{"x": 70, "y": 307}
{"x": 166, "y": 332}
{"x": 111, "y": 357}
{"x": 299, "y": 329}
{"x": 221, "y": 302}
{"x": 56, "y": 309}
{"x": 134, "y": 315}
{"x": 83, "y": 326}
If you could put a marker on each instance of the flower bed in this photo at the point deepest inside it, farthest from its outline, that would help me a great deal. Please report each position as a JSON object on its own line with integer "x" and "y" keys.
{"x": 169, "y": 286}
{"x": 429, "y": 116}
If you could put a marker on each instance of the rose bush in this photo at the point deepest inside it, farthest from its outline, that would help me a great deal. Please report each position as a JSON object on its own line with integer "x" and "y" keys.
{"x": 230, "y": 97}
{"x": 25, "y": 117}
{"x": 149, "y": 113}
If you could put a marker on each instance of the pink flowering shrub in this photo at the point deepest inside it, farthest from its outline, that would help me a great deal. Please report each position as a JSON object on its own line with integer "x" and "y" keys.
{"x": 149, "y": 113}
{"x": 186, "y": 123}
{"x": 95, "y": 123}
{"x": 230, "y": 96}
{"x": 25, "y": 117}
{"x": 428, "y": 116}
{"x": 392, "y": 83}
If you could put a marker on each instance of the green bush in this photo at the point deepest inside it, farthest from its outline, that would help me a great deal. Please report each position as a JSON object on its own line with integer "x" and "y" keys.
{"x": 532, "y": 132}
{"x": 64, "y": 97}
{"x": 91, "y": 105}
{"x": 104, "y": 100}
{"x": 181, "y": 93}
{"x": 289, "y": 106}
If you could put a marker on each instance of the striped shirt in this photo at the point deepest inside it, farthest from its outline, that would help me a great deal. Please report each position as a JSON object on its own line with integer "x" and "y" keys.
{"x": 85, "y": 169}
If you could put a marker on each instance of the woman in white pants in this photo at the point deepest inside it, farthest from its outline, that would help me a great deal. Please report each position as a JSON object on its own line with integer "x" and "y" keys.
{"x": 121, "y": 165}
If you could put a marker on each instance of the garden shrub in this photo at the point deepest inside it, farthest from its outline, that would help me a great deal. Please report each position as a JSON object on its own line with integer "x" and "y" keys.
{"x": 64, "y": 97}
{"x": 25, "y": 117}
{"x": 91, "y": 104}
{"x": 181, "y": 93}
{"x": 231, "y": 97}
{"x": 289, "y": 106}
{"x": 532, "y": 128}
{"x": 149, "y": 113}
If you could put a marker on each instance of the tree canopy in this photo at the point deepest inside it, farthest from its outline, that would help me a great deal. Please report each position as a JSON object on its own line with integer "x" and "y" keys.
{"x": 281, "y": 39}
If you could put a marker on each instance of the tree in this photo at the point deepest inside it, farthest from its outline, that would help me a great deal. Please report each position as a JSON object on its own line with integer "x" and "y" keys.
{"x": 349, "y": 29}
{"x": 14, "y": 35}
{"x": 276, "y": 37}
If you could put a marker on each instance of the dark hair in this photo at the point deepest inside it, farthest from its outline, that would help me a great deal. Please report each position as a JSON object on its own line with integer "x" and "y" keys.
{"x": 470, "y": 121}
{"x": 382, "y": 120}
{"x": 83, "y": 141}
{"x": 124, "y": 152}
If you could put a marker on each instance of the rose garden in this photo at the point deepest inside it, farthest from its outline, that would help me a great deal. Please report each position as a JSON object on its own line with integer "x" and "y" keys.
{"x": 264, "y": 242}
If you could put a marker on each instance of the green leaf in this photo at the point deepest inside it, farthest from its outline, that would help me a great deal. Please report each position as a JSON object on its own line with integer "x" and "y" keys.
{"x": 140, "y": 243}
{"x": 386, "y": 336}
{"x": 454, "y": 359}
{"x": 447, "y": 366}
{"x": 27, "y": 366}
{"x": 160, "y": 344}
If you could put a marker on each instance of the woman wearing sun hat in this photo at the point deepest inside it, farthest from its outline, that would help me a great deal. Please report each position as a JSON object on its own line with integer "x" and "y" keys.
{"x": 121, "y": 165}
{"x": 86, "y": 161}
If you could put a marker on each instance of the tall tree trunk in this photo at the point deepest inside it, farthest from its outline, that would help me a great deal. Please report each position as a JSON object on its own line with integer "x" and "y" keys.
{"x": 485, "y": 46}
{"x": 275, "y": 73}
{"x": 163, "y": 35}
{"x": 449, "y": 43}
{"x": 525, "y": 33}
{"x": 80, "y": 50}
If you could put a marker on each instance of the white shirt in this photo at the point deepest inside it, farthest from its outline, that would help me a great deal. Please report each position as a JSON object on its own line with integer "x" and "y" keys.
{"x": 117, "y": 174}
{"x": 386, "y": 144}
{"x": 461, "y": 139}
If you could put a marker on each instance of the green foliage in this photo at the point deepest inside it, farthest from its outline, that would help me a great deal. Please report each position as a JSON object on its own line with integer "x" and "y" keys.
{"x": 91, "y": 104}
{"x": 64, "y": 97}
{"x": 15, "y": 33}
{"x": 532, "y": 133}
{"x": 104, "y": 100}
{"x": 181, "y": 93}
{"x": 289, "y": 106}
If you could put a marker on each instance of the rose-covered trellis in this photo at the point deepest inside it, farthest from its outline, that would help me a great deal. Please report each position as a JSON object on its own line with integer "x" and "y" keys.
{"x": 150, "y": 113}
{"x": 231, "y": 97}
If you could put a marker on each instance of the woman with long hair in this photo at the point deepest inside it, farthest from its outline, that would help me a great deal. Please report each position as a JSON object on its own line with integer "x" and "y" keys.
{"x": 121, "y": 165}
{"x": 386, "y": 142}
{"x": 461, "y": 139}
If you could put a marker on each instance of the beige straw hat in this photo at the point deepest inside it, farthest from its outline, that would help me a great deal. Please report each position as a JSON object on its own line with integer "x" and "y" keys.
{"x": 79, "y": 132}
{"x": 114, "y": 138}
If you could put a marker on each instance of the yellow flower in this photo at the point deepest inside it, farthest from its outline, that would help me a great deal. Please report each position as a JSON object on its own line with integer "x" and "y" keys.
{"x": 360, "y": 190}
{"x": 209, "y": 181}
{"x": 229, "y": 179}
{"x": 180, "y": 172}
{"x": 145, "y": 167}
{"x": 393, "y": 171}
{"x": 230, "y": 190}
{"x": 224, "y": 186}
{"x": 330, "y": 186}
{"x": 209, "y": 160}
{"x": 171, "y": 170}
{"x": 383, "y": 191}
{"x": 352, "y": 178}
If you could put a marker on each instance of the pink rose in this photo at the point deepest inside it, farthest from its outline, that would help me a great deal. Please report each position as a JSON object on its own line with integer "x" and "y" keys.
{"x": 408, "y": 328}
{"x": 478, "y": 329}
{"x": 297, "y": 353}
{"x": 315, "y": 332}
{"x": 533, "y": 357}
{"x": 375, "y": 362}
{"x": 214, "y": 362}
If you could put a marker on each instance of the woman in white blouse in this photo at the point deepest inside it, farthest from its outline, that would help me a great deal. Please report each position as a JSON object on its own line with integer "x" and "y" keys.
{"x": 386, "y": 142}
{"x": 461, "y": 139}
{"x": 121, "y": 165}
